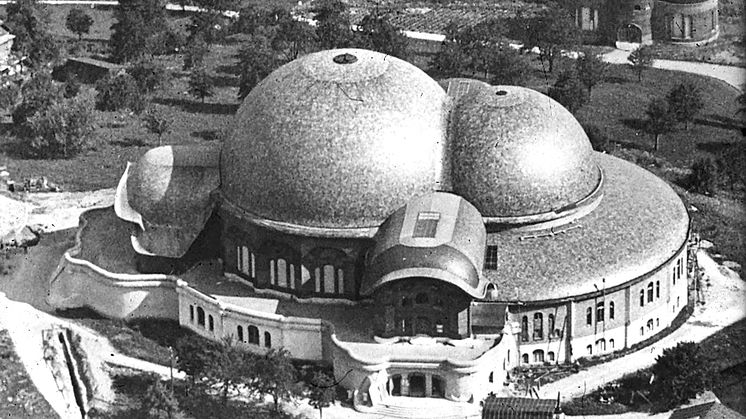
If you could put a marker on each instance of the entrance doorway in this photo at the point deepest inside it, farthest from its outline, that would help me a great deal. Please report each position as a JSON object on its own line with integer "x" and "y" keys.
{"x": 417, "y": 385}
{"x": 629, "y": 33}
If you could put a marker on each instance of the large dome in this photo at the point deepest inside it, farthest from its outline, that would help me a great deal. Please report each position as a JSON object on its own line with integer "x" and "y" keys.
{"x": 336, "y": 139}
{"x": 519, "y": 156}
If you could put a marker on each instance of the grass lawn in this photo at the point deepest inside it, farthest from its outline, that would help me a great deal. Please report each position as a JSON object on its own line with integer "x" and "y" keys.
{"x": 19, "y": 398}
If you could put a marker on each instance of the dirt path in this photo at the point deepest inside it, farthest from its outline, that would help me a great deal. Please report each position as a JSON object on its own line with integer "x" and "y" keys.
{"x": 725, "y": 305}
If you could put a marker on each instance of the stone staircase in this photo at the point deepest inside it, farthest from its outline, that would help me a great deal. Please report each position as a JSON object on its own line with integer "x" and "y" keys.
{"x": 426, "y": 408}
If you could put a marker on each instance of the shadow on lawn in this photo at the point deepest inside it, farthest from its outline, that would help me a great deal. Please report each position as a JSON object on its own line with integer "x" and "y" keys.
{"x": 720, "y": 121}
{"x": 224, "y": 80}
{"x": 715, "y": 148}
{"x": 198, "y": 107}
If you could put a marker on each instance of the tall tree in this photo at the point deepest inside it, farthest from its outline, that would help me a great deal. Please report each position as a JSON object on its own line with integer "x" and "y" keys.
{"x": 158, "y": 401}
{"x": 27, "y": 20}
{"x": 277, "y": 377}
{"x": 569, "y": 91}
{"x": 685, "y": 101}
{"x": 641, "y": 58}
{"x": 229, "y": 369}
{"x": 507, "y": 66}
{"x": 157, "y": 122}
{"x": 591, "y": 70}
{"x": 551, "y": 31}
{"x": 63, "y": 128}
{"x": 293, "y": 37}
{"x": 660, "y": 120}
{"x": 78, "y": 22}
{"x": 680, "y": 373}
{"x": 200, "y": 84}
{"x": 256, "y": 60}
{"x": 322, "y": 392}
{"x": 377, "y": 33}
{"x": 195, "y": 52}
{"x": 704, "y": 176}
{"x": 333, "y": 27}
{"x": 450, "y": 61}
{"x": 138, "y": 28}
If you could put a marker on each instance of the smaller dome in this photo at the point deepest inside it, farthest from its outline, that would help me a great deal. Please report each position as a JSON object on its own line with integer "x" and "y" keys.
{"x": 168, "y": 181}
{"x": 518, "y": 155}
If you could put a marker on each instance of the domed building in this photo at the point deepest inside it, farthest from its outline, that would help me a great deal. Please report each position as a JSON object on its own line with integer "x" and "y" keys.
{"x": 423, "y": 238}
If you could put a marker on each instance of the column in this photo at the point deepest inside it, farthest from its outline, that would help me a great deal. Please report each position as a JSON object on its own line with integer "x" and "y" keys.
{"x": 428, "y": 385}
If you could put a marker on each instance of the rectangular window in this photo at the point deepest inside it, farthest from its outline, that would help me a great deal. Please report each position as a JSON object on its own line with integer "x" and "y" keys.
{"x": 490, "y": 259}
{"x": 426, "y": 224}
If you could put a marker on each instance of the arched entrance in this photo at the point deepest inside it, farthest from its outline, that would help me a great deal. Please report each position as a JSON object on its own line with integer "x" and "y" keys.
{"x": 629, "y": 33}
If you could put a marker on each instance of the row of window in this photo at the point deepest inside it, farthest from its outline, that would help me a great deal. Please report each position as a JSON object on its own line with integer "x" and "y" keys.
{"x": 253, "y": 336}
{"x": 327, "y": 278}
{"x": 538, "y": 356}
{"x": 600, "y": 346}
{"x": 678, "y": 270}
{"x": 650, "y": 326}
{"x": 650, "y": 292}
{"x": 600, "y": 313}
{"x": 538, "y": 327}
{"x": 200, "y": 317}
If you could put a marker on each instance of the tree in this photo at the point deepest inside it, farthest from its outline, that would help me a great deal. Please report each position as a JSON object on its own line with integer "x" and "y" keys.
{"x": 27, "y": 21}
{"x": 119, "y": 92}
{"x": 685, "y": 101}
{"x": 158, "y": 401}
{"x": 479, "y": 43}
{"x": 200, "y": 84}
{"x": 704, "y": 176}
{"x": 507, "y": 66}
{"x": 293, "y": 37}
{"x": 195, "y": 52}
{"x": 276, "y": 376}
{"x": 660, "y": 120}
{"x": 591, "y": 70}
{"x": 599, "y": 140}
{"x": 450, "y": 61}
{"x": 256, "y": 60}
{"x": 157, "y": 122}
{"x": 641, "y": 58}
{"x": 333, "y": 27}
{"x": 78, "y": 22}
{"x": 194, "y": 355}
{"x": 681, "y": 373}
{"x": 741, "y": 100}
{"x": 229, "y": 369}
{"x": 377, "y": 33}
{"x": 138, "y": 28}
{"x": 63, "y": 128}
{"x": 38, "y": 93}
{"x": 569, "y": 91}
{"x": 322, "y": 392}
{"x": 551, "y": 31}
{"x": 149, "y": 74}
{"x": 731, "y": 163}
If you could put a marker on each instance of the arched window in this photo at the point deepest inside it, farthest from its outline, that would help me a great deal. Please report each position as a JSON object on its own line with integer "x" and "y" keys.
{"x": 327, "y": 282}
{"x": 550, "y": 356}
{"x": 524, "y": 358}
{"x": 491, "y": 378}
{"x": 524, "y": 329}
{"x": 677, "y": 301}
{"x": 211, "y": 324}
{"x": 253, "y": 335}
{"x": 642, "y": 331}
{"x": 611, "y": 343}
{"x": 589, "y": 349}
{"x": 267, "y": 340}
{"x": 539, "y": 327}
{"x": 200, "y": 316}
{"x": 588, "y": 316}
{"x": 600, "y": 345}
{"x": 538, "y": 355}
{"x": 642, "y": 297}
{"x": 191, "y": 313}
{"x": 550, "y": 319}
{"x": 611, "y": 310}
{"x": 282, "y": 273}
{"x": 657, "y": 322}
{"x": 600, "y": 311}
{"x": 239, "y": 333}
{"x": 650, "y": 324}
{"x": 657, "y": 289}
{"x": 650, "y": 292}
{"x": 421, "y": 298}
{"x": 246, "y": 262}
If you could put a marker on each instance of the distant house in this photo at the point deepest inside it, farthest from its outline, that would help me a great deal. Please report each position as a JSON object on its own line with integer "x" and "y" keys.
{"x": 6, "y": 43}
{"x": 710, "y": 410}
{"x": 87, "y": 70}
{"x": 520, "y": 408}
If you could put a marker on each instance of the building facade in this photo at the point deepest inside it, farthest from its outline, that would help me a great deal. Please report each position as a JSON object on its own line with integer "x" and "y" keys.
{"x": 422, "y": 238}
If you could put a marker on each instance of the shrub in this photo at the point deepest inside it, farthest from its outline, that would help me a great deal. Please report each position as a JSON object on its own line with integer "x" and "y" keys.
{"x": 681, "y": 373}
{"x": 157, "y": 123}
{"x": 119, "y": 92}
{"x": 78, "y": 22}
{"x": 599, "y": 140}
{"x": 704, "y": 176}
{"x": 149, "y": 74}
{"x": 61, "y": 129}
{"x": 685, "y": 101}
{"x": 569, "y": 91}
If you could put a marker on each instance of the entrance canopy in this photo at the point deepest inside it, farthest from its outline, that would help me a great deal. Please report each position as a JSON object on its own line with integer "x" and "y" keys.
{"x": 439, "y": 236}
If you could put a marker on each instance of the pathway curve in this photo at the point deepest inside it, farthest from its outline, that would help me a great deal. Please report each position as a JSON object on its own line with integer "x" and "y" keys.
{"x": 725, "y": 305}
{"x": 734, "y": 76}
